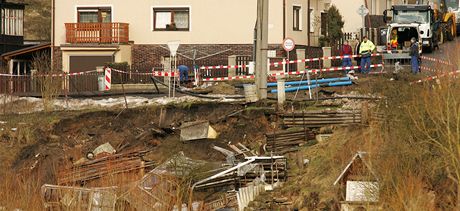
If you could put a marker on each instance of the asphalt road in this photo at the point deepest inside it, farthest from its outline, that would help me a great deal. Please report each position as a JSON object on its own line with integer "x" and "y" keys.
{"x": 448, "y": 51}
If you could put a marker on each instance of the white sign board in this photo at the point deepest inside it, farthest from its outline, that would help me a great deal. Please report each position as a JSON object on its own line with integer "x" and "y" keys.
{"x": 362, "y": 10}
{"x": 288, "y": 44}
{"x": 360, "y": 191}
{"x": 173, "y": 46}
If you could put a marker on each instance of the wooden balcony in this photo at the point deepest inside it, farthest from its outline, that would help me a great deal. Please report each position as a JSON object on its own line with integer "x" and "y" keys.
{"x": 107, "y": 33}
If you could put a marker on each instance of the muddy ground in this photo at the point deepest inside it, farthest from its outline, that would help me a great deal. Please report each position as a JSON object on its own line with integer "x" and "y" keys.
{"x": 41, "y": 144}
{"x": 55, "y": 140}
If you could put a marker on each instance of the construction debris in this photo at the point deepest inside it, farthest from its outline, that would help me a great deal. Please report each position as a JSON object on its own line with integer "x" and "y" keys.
{"x": 283, "y": 142}
{"x": 228, "y": 200}
{"x": 317, "y": 119}
{"x": 178, "y": 165}
{"x": 269, "y": 169}
{"x": 100, "y": 167}
{"x": 197, "y": 130}
{"x": 323, "y": 137}
{"x": 80, "y": 199}
{"x": 158, "y": 189}
{"x": 104, "y": 150}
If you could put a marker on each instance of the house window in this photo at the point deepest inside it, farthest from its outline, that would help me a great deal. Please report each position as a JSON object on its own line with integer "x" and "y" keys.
{"x": 296, "y": 23}
{"x": 94, "y": 15}
{"x": 12, "y": 22}
{"x": 324, "y": 18}
{"x": 171, "y": 19}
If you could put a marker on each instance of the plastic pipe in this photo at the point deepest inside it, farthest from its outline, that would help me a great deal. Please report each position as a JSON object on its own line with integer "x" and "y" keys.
{"x": 332, "y": 84}
{"x": 325, "y": 80}
{"x": 342, "y": 83}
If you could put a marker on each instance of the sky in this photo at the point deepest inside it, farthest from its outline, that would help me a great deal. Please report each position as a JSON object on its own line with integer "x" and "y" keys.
{"x": 348, "y": 9}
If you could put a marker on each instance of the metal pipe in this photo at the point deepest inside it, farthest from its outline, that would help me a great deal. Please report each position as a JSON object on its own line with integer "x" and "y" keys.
{"x": 308, "y": 22}
{"x": 284, "y": 19}
{"x": 252, "y": 159}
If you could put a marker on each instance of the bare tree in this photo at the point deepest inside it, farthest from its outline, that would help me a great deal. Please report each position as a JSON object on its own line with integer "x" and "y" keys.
{"x": 50, "y": 87}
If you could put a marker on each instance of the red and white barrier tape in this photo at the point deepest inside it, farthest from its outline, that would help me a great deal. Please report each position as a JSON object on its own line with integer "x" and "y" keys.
{"x": 314, "y": 71}
{"x": 427, "y": 69}
{"x": 436, "y": 77}
{"x": 229, "y": 78}
{"x": 441, "y": 61}
{"x": 223, "y": 67}
{"x": 153, "y": 73}
{"x": 51, "y": 75}
{"x": 286, "y": 62}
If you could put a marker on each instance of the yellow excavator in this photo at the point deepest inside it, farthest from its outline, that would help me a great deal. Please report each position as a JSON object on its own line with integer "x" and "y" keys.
{"x": 444, "y": 15}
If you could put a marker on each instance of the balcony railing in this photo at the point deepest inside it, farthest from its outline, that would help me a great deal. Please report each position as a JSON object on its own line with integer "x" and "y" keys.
{"x": 97, "y": 33}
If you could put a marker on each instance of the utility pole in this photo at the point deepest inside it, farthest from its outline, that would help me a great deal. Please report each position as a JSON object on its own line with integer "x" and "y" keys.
{"x": 308, "y": 22}
{"x": 261, "y": 48}
{"x": 368, "y": 17}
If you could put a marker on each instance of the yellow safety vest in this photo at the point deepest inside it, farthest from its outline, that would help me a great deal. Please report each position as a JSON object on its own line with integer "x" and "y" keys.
{"x": 366, "y": 46}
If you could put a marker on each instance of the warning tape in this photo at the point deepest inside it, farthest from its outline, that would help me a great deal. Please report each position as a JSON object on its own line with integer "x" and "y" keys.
{"x": 51, "y": 75}
{"x": 223, "y": 67}
{"x": 313, "y": 71}
{"x": 436, "y": 77}
{"x": 153, "y": 73}
{"x": 332, "y": 69}
{"x": 286, "y": 62}
{"x": 427, "y": 69}
{"x": 229, "y": 78}
{"x": 441, "y": 61}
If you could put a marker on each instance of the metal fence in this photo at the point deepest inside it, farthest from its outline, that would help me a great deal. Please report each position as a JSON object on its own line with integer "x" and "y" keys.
{"x": 35, "y": 85}
{"x": 243, "y": 60}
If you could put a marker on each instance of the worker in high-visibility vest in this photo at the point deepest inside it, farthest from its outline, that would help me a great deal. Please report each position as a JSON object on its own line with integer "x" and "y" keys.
{"x": 365, "y": 50}
{"x": 394, "y": 40}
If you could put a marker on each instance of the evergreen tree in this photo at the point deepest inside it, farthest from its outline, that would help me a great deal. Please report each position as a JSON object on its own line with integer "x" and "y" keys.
{"x": 334, "y": 24}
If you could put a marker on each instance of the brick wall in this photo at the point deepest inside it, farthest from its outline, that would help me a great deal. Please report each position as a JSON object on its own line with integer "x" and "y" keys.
{"x": 57, "y": 58}
{"x": 144, "y": 57}
{"x": 147, "y": 56}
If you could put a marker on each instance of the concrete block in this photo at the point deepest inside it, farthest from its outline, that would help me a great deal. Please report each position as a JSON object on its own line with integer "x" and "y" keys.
{"x": 327, "y": 51}
{"x": 232, "y": 62}
{"x": 300, "y": 55}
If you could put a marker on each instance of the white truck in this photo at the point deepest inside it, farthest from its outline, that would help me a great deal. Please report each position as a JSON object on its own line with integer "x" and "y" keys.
{"x": 406, "y": 22}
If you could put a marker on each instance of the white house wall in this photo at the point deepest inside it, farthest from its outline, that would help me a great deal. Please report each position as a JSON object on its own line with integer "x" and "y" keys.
{"x": 211, "y": 21}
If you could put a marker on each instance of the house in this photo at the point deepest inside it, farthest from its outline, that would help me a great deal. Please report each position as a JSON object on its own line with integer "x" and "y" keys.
{"x": 353, "y": 21}
{"x": 12, "y": 26}
{"x": 359, "y": 185}
{"x": 19, "y": 62}
{"x": 88, "y": 33}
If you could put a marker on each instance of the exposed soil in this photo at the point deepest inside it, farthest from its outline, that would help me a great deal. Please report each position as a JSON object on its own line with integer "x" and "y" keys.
{"x": 58, "y": 144}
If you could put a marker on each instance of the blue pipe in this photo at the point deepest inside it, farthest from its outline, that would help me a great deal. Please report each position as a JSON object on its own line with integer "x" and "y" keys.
{"x": 341, "y": 83}
{"x": 293, "y": 89}
{"x": 312, "y": 81}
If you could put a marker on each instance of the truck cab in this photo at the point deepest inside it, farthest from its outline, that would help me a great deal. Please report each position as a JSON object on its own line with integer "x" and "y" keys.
{"x": 413, "y": 21}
